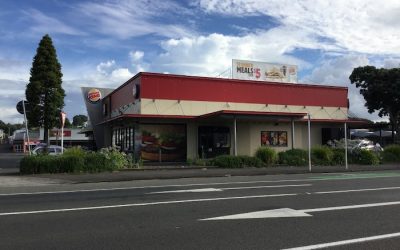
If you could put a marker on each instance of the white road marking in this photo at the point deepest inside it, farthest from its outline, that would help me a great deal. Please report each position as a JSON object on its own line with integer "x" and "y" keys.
{"x": 288, "y": 212}
{"x": 351, "y": 207}
{"x": 356, "y": 190}
{"x": 346, "y": 242}
{"x": 277, "y": 186}
{"x": 222, "y": 189}
{"x": 144, "y": 187}
{"x": 201, "y": 190}
{"x": 275, "y": 213}
{"x": 143, "y": 204}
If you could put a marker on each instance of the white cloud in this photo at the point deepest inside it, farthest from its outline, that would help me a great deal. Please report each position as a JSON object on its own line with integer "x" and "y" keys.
{"x": 365, "y": 26}
{"x": 132, "y": 18}
{"x": 212, "y": 54}
{"x": 136, "y": 55}
{"x": 46, "y": 24}
{"x": 105, "y": 67}
{"x": 336, "y": 72}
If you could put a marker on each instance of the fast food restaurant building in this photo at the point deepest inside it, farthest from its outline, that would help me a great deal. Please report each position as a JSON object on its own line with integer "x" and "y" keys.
{"x": 170, "y": 118}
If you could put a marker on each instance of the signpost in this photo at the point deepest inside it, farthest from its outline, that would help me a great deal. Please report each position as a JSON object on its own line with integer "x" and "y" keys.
{"x": 62, "y": 118}
{"x": 22, "y": 108}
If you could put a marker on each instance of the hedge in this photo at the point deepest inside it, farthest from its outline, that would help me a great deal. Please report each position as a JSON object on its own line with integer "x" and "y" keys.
{"x": 321, "y": 155}
{"x": 230, "y": 161}
{"x": 266, "y": 155}
{"x": 73, "y": 161}
{"x": 391, "y": 154}
{"x": 293, "y": 157}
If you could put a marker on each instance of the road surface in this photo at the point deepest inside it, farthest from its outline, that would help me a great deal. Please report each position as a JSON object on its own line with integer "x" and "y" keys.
{"x": 310, "y": 211}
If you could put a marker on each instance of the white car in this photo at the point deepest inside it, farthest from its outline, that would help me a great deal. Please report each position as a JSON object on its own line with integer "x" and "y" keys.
{"x": 52, "y": 149}
{"x": 368, "y": 145}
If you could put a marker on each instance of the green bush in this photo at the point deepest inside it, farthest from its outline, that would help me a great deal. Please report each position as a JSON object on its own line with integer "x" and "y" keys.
{"x": 114, "y": 158}
{"x": 75, "y": 160}
{"x": 293, "y": 157}
{"x": 368, "y": 158}
{"x": 266, "y": 155}
{"x": 199, "y": 162}
{"x": 75, "y": 151}
{"x": 338, "y": 157}
{"x": 321, "y": 155}
{"x": 39, "y": 164}
{"x": 391, "y": 154}
{"x": 248, "y": 161}
{"x": 230, "y": 161}
{"x": 364, "y": 157}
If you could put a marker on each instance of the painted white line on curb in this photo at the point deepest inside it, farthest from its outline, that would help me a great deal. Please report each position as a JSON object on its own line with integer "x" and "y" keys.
{"x": 356, "y": 190}
{"x": 222, "y": 189}
{"x": 143, "y": 204}
{"x": 346, "y": 242}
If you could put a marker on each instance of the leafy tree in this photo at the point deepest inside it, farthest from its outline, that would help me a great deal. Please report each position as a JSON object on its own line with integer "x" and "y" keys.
{"x": 44, "y": 91}
{"x": 79, "y": 120}
{"x": 381, "y": 91}
{"x": 9, "y": 128}
{"x": 67, "y": 123}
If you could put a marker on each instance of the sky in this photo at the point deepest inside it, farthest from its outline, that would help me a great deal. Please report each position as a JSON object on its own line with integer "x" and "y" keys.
{"x": 104, "y": 43}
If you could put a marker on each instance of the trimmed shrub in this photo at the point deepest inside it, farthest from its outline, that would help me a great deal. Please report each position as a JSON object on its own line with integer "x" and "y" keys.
{"x": 75, "y": 151}
{"x": 114, "y": 158}
{"x": 227, "y": 161}
{"x": 75, "y": 160}
{"x": 266, "y": 155}
{"x": 293, "y": 157}
{"x": 391, "y": 154}
{"x": 248, "y": 161}
{"x": 39, "y": 164}
{"x": 230, "y": 161}
{"x": 338, "y": 157}
{"x": 199, "y": 162}
{"x": 321, "y": 155}
{"x": 368, "y": 158}
{"x": 69, "y": 164}
{"x": 95, "y": 162}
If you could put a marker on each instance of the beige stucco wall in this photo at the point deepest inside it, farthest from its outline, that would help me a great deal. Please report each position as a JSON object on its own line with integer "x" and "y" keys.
{"x": 249, "y": 135}
{"x": 196, "y": 108}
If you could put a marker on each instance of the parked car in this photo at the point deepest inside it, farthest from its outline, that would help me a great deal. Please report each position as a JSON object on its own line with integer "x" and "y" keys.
{"x": 368, "y": 145}
{"x": 52, "y": 149}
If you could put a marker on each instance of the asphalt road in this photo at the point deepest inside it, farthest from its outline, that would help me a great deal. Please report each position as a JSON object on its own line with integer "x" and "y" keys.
{"x": 339, "y": 211}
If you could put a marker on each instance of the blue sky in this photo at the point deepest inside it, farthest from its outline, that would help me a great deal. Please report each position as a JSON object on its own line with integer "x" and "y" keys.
{"x": 104, "y": 43}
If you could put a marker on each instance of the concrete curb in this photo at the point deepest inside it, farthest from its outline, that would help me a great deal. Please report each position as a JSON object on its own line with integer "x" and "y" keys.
{"x": 201, "y": 172}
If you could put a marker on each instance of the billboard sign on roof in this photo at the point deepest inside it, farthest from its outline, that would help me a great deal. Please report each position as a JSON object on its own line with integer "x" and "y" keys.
{"x": 262, "y": 71}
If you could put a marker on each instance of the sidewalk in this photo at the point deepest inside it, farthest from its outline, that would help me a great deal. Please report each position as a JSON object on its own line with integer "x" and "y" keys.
{"x": 196, "y": 172}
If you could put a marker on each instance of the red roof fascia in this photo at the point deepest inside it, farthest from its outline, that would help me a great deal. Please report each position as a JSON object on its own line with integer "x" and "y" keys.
{"x": 148, "y": 116}
{"x": 350, "y": 121}
{"x": 252, "y": 113}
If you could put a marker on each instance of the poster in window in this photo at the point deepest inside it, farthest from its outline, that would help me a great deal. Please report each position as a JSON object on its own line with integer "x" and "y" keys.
{"x": 163, "y": 143}
{"x": 274, "y": 138}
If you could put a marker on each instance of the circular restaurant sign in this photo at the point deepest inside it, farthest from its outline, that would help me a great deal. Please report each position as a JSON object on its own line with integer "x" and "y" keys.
{"x": 94, "y": 95}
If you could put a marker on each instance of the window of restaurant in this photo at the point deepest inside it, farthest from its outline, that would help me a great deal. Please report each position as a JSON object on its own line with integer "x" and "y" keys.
{"x": 213, "y": 141}
{"x": 122, "y": 138}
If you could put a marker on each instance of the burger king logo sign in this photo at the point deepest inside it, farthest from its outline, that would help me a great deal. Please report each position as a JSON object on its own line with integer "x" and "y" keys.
{"x": 94, "y": 95}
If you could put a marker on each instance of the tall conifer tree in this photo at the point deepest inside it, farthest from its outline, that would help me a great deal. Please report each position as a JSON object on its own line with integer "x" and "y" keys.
{"x": 44, "y": 92}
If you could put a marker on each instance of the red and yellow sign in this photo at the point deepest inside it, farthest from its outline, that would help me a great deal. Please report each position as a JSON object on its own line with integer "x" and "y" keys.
{"x": 94, "y": 95}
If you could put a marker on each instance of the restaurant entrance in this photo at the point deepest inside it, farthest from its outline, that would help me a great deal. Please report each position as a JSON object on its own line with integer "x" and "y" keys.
{"x": 213, "y": 141}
